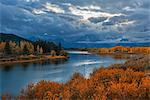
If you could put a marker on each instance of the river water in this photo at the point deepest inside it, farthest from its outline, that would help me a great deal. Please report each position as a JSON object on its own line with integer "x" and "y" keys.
{"x": 17, "y": 76}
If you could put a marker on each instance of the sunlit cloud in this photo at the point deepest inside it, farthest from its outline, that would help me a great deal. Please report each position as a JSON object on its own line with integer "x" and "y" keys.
{"x": 86, "y": 14}
{"x": 31, "y": 0}
{"x": 127, "y": 23}
{"x": 90, "y": 7}
{"x": 53, "y": 8}
{"x": 66, "y": 4}
{"x": 128, "y": 9}
{"x": 38, "y": 11}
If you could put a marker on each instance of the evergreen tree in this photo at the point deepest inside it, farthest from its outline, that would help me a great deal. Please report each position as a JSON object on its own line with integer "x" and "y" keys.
{"x": 7, "y": 48}
{"x": 59, "y": 46}
{"x": 25, "y": 50}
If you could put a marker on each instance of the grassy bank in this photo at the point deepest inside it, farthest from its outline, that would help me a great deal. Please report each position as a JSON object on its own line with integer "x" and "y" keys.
{"x": 120, "y": 49}
{"x": 29, "y": 58}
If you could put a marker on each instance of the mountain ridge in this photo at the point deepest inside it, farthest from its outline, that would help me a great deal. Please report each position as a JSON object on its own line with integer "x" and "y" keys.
{"x": 12, "y": 37}
{"x": 17, "y": 38}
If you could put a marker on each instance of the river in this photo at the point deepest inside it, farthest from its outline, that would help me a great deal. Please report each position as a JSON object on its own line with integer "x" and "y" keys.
{"x": 17, "y": 76}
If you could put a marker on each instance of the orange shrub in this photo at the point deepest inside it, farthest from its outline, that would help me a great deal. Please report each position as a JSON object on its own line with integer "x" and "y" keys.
{"x": 122, "y": 49}
{"x": 103, "y": 84}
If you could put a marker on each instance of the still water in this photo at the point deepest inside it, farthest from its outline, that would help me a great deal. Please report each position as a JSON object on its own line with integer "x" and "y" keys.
{"x": 16, "y": 76}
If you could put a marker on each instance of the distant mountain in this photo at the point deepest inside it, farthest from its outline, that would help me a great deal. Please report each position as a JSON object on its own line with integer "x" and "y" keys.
{"x": 106, "y": 45}
{"x": 80, "y": 42}
{"x": 12, "y": 37}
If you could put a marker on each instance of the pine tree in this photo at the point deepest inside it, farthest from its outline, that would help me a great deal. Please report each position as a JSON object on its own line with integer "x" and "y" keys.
{"x": 7, "y": 48}
{"x": 25, "y": 50}
{"x": 59, "y": 46}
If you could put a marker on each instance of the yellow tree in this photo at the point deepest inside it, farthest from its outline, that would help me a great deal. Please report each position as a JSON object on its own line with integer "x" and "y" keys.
{"x": 41, "y": 50}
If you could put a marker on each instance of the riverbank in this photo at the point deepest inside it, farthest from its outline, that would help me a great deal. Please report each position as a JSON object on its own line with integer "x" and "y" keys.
{"x": 29, "y": 58}
{"x": 118, "y": 52}
{"x": 120, "y": 49}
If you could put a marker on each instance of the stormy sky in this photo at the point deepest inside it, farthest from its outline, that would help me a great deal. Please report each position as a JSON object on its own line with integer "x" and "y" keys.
{"x": 77, "y": 21}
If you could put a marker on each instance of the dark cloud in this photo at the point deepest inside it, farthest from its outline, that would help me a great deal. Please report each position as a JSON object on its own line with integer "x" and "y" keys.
{"x": 98, "y": 19}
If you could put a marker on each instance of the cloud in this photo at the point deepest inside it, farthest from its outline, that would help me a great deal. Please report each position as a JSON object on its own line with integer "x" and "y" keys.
{"x": 31, "y": 0}
{"x": 127, "y": 23}
{"x": 66, "y": 4}
{"x": 72, "y": 20}
{"x": 128, "y": 8}
{"x": 53, "y": 8}
{"x": 97, "y": 19}
{"x": 90, "y": 7}
{"x": 48, "y": 8}
{"x": 88, "y": 13}
{"x": 38, "y": 11}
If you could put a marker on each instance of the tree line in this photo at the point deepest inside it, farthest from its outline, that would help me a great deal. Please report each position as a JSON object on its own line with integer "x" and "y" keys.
{"x": 26, "y": 48}
{"x": 121, "y": 49}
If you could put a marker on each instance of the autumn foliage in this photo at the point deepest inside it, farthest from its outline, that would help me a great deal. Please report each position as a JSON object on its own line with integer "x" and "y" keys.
{"x": 121, "y": 49}
{"x": 104, "y": 84}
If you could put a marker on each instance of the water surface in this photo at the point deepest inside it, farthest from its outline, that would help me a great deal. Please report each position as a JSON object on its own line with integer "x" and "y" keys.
{"x": 16, "y": 76}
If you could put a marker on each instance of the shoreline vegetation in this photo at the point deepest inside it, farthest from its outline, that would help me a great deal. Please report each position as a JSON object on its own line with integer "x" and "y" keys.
{"x": 117, "y": 50}
{"x": 27, "y": 59}
{"x": 128, "y": 81}
{"x": 27, "y": 51}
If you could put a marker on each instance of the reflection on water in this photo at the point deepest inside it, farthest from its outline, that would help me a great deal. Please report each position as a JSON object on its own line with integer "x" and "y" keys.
{"x": 25, "y": 65}
{"x": 14, "y": 77}
{"x": 87, "y": 62}
{"x": 7, "y": 68}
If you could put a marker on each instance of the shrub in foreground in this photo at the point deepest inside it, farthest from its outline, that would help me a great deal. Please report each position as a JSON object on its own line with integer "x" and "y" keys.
{"x": 103, "y": 84}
